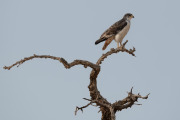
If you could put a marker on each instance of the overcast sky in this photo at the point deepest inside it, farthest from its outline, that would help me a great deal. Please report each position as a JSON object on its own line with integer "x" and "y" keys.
{"x": 42, "y": 89}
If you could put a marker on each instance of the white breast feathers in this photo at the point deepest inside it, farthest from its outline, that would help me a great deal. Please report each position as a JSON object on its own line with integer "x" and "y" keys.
{"x": 119, "y": 37}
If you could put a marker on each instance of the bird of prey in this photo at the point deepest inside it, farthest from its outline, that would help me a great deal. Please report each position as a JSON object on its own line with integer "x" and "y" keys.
{"x": 116, "y": 32}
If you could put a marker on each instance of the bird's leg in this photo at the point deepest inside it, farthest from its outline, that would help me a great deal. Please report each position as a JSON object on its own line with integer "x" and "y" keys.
{"x": 117, "y": 44}
{"x": 120, "y": 44}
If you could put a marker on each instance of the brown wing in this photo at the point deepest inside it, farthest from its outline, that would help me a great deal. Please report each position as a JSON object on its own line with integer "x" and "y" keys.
{"x": 114, "y": 29}
{"x": 107, "y": 42}
{"x": 110, "y": 33}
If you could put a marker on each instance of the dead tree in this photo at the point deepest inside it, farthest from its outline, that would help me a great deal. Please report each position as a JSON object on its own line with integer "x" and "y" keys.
{"x": 107, "y": 109}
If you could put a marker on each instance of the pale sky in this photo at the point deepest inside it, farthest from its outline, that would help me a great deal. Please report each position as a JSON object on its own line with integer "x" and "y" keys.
{"x": 43, "y": 89}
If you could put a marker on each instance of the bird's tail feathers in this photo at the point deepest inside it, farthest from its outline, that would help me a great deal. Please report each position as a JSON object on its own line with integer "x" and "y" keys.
{"x": 107, "y": 43}
{"x": 100, "y": 40}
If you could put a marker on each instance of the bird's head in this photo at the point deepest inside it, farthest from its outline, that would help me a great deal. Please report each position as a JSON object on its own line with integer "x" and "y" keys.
{"x": 128, "y": 16}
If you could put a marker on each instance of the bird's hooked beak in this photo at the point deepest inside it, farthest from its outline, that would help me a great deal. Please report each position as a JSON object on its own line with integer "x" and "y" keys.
{"x": 132, "y": 16}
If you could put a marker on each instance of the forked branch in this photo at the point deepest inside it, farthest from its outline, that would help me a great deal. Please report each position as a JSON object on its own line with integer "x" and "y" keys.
{"x": 107, "y": 109}
{"x": 128, "y": 101}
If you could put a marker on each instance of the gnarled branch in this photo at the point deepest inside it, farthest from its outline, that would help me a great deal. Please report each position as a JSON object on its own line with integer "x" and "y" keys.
{"x": 128, "y": 101}
{"x": 62, "y": 60}
{"x": 112, "y": 51}
{"x": 108, "y": 110}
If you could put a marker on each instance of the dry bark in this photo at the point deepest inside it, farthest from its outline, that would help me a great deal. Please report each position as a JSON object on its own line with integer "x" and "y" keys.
{"x": 107, "y": 109}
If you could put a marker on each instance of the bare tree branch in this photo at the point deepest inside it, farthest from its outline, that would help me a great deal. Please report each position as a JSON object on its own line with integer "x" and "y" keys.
{"x": 62, "y": 60}
{"x": 92, "y": 101}
{"x": 128, "y": 101}
{"x": 81, "y": 108}
{"x": 112, "y": 51}
{"x": 107, "y": 109}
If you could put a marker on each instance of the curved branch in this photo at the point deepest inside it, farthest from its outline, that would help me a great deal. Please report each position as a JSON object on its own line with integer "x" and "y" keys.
{"x": 108, "y": 110}
{"x": 128, "y": 101}
{"x": 112, "y": 51}
{"x": 108, "y": 113}
{"x": 81, "y": 108}
{"x": 94, "y": 93}
{"x": 62, "y": 60}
